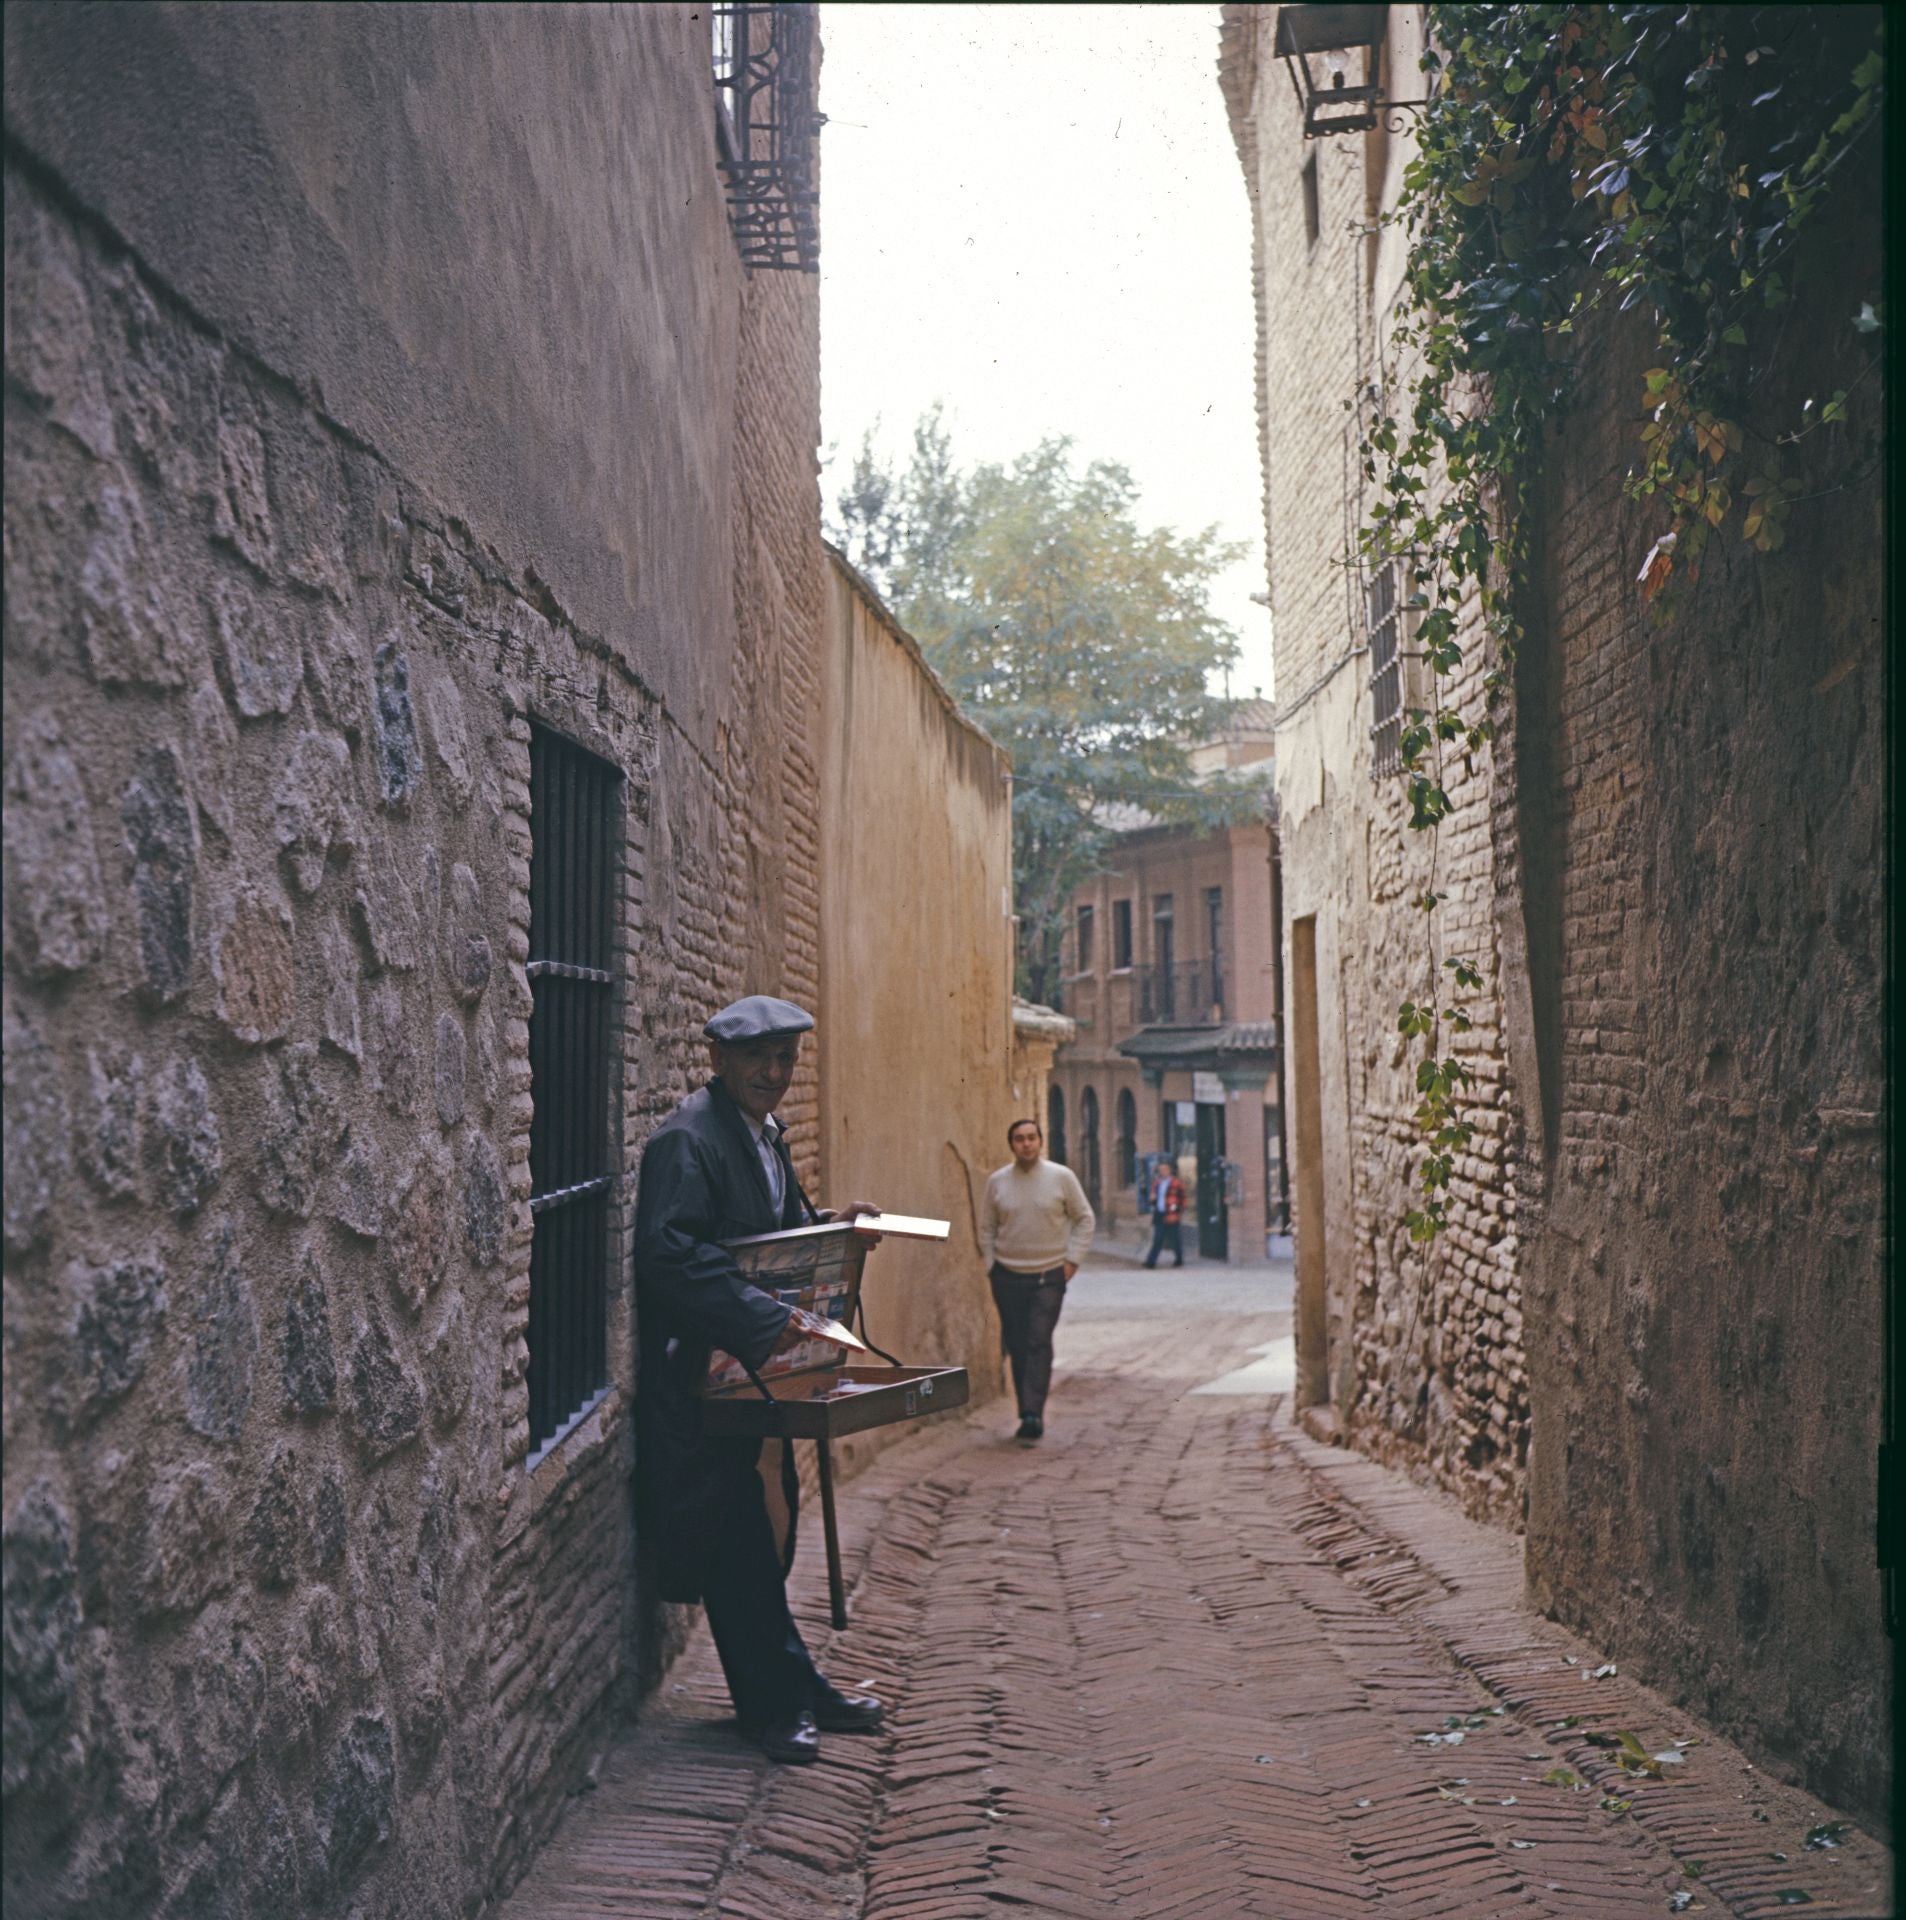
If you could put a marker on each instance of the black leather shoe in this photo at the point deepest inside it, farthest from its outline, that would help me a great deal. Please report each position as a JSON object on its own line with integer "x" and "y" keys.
{"x": 1031, "y": 1428}
{"x": 837, "y": 1712}
{"x": 795, "y": 1742}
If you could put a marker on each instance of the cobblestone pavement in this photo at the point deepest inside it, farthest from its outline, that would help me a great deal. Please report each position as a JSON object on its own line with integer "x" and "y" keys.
{"x": 1180, "y": 1661}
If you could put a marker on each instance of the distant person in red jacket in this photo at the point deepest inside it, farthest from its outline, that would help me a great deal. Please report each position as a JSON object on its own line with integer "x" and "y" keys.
{"x": 1166, "y": 1199}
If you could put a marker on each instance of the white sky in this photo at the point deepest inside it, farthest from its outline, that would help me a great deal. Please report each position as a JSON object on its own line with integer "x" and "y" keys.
{"x": 1034, "y": 213}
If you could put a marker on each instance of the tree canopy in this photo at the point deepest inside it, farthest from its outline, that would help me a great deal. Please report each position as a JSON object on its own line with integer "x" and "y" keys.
{"x": 1081, "y": 640}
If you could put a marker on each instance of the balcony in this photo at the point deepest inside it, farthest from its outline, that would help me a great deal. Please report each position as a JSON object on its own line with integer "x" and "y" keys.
{"x": 1190, "y": 994}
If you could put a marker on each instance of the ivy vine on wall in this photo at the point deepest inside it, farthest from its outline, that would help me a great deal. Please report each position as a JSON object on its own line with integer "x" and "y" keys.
{"x": 1573, "y": 162}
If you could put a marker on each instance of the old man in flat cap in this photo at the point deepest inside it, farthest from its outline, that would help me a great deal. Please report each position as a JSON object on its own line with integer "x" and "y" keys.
{"x": 716, "y": 1169}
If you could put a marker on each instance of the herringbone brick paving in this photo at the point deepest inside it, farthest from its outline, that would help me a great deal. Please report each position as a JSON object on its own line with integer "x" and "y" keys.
{"x": 1180, "y": 1662}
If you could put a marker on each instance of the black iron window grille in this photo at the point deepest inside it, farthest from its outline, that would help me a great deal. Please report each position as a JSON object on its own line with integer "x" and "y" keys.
{"x": 575, "y": 815}
{"x": 767, "y": 127}
{"x": 1161, "y": 1002}
{"x": 1382, "y": 622}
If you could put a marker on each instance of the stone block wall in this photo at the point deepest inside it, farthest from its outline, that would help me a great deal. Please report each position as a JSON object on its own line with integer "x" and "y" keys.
{"x": 303, "y": 531}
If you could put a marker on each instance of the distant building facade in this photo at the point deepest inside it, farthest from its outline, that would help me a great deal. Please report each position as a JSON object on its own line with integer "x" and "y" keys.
{"x": 428, "y": 698}
{"x": 1649, "y": 1333}
{"x": 1172, "y": 982}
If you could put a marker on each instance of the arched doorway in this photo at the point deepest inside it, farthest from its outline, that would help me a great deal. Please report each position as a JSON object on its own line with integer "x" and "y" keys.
{"x": 1127, "y": 1138}
{"x": 1088, "y": 1168}
{"x": 1056, "y": 1124}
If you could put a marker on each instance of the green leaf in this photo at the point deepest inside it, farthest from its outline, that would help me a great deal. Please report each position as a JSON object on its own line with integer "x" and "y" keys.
{"x": 1735, "y": 335}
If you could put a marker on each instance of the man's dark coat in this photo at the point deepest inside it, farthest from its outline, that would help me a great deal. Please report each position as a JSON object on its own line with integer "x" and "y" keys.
{"x": 702, "y": 1182}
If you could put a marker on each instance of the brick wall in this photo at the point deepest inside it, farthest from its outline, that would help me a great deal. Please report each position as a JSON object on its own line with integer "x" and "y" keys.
{"x": 1422, "y": 1349}
{"x": 1704, "y": 817}
{"x": 1664, "y": 1278}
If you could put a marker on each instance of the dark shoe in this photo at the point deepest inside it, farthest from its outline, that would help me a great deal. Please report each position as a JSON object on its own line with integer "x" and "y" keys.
{"x": 1030, "y": 1428}
{"x": 837, "y": 1712}
{"x": 795, "y": 1742}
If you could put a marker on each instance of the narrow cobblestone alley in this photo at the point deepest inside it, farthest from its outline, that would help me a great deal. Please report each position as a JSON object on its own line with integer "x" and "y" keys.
{"x": 1183, "y": 1662}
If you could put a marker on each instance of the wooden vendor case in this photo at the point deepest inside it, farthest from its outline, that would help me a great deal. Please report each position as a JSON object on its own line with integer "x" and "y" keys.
{"x": 812, "y": 1391}
{"x": 817, "y": 1390}
{"x": 827, "y": 1401}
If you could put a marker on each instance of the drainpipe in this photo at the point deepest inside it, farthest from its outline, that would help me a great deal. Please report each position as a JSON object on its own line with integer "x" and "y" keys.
{"x": 1277, "y": 1000}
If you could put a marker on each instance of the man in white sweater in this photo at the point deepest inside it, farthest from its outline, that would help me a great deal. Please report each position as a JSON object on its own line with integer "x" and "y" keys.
{"x": 1035, "y": 1226}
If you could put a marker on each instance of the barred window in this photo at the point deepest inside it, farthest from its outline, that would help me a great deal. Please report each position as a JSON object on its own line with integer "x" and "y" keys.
{"x": 1383, "y": 621}
{"x": 575, "y": 812}
{"x": 766, "y": 123}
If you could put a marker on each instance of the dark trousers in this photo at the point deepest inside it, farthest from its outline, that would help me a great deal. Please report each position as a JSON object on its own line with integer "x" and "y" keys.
{"x": 770, "y": 1674}
{"x": 1029, "y": 1305}
{"x": 1165, "y": 1233}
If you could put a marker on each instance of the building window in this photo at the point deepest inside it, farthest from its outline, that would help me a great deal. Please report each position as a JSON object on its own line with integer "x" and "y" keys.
{"x": 766, "y": 127}
{"x": 575, "y": 814}
{"x": 1313, "y": 215}
{"x": 1383, "y": 621}
{"x": 1084, "y": 941}
{"x": 1164, "y": 994}
{"x": 1127, "y": 1138}
{"x": 1056, "y": 1123}
{"x": 1121, "y": 934}
{"x": 1214, "y": 936}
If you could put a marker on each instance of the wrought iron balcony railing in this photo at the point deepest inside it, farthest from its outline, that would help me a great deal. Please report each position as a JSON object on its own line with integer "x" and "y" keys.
{"x": 1190, "y": 994}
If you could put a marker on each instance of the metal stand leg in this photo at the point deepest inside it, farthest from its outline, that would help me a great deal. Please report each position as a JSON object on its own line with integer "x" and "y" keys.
{"x": 836, "y": 1591}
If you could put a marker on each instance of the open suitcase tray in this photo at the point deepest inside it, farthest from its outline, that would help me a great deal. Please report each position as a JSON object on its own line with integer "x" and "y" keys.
{"x": 826, "y": 1401}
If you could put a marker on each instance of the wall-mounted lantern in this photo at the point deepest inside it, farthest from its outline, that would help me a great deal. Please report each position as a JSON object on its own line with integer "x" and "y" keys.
{"x": 1332, "y": 54}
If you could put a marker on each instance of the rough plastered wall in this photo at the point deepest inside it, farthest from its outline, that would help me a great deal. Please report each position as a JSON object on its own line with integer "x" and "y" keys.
{"x": 1420, "y": 1351}
{"x": 915, "y": 832}
{"x": 1702, "y": 820}
{"x": 326, "y": 475}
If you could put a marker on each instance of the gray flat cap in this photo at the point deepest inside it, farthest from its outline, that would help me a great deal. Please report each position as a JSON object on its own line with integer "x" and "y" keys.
{"x": 759, "y": 1017}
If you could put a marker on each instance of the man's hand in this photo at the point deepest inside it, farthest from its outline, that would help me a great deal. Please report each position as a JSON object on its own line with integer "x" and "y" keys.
{"x": 801, "y": 1325}
{"x": 854, "y": 1210}
{"x": 1070, "y": 1267}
